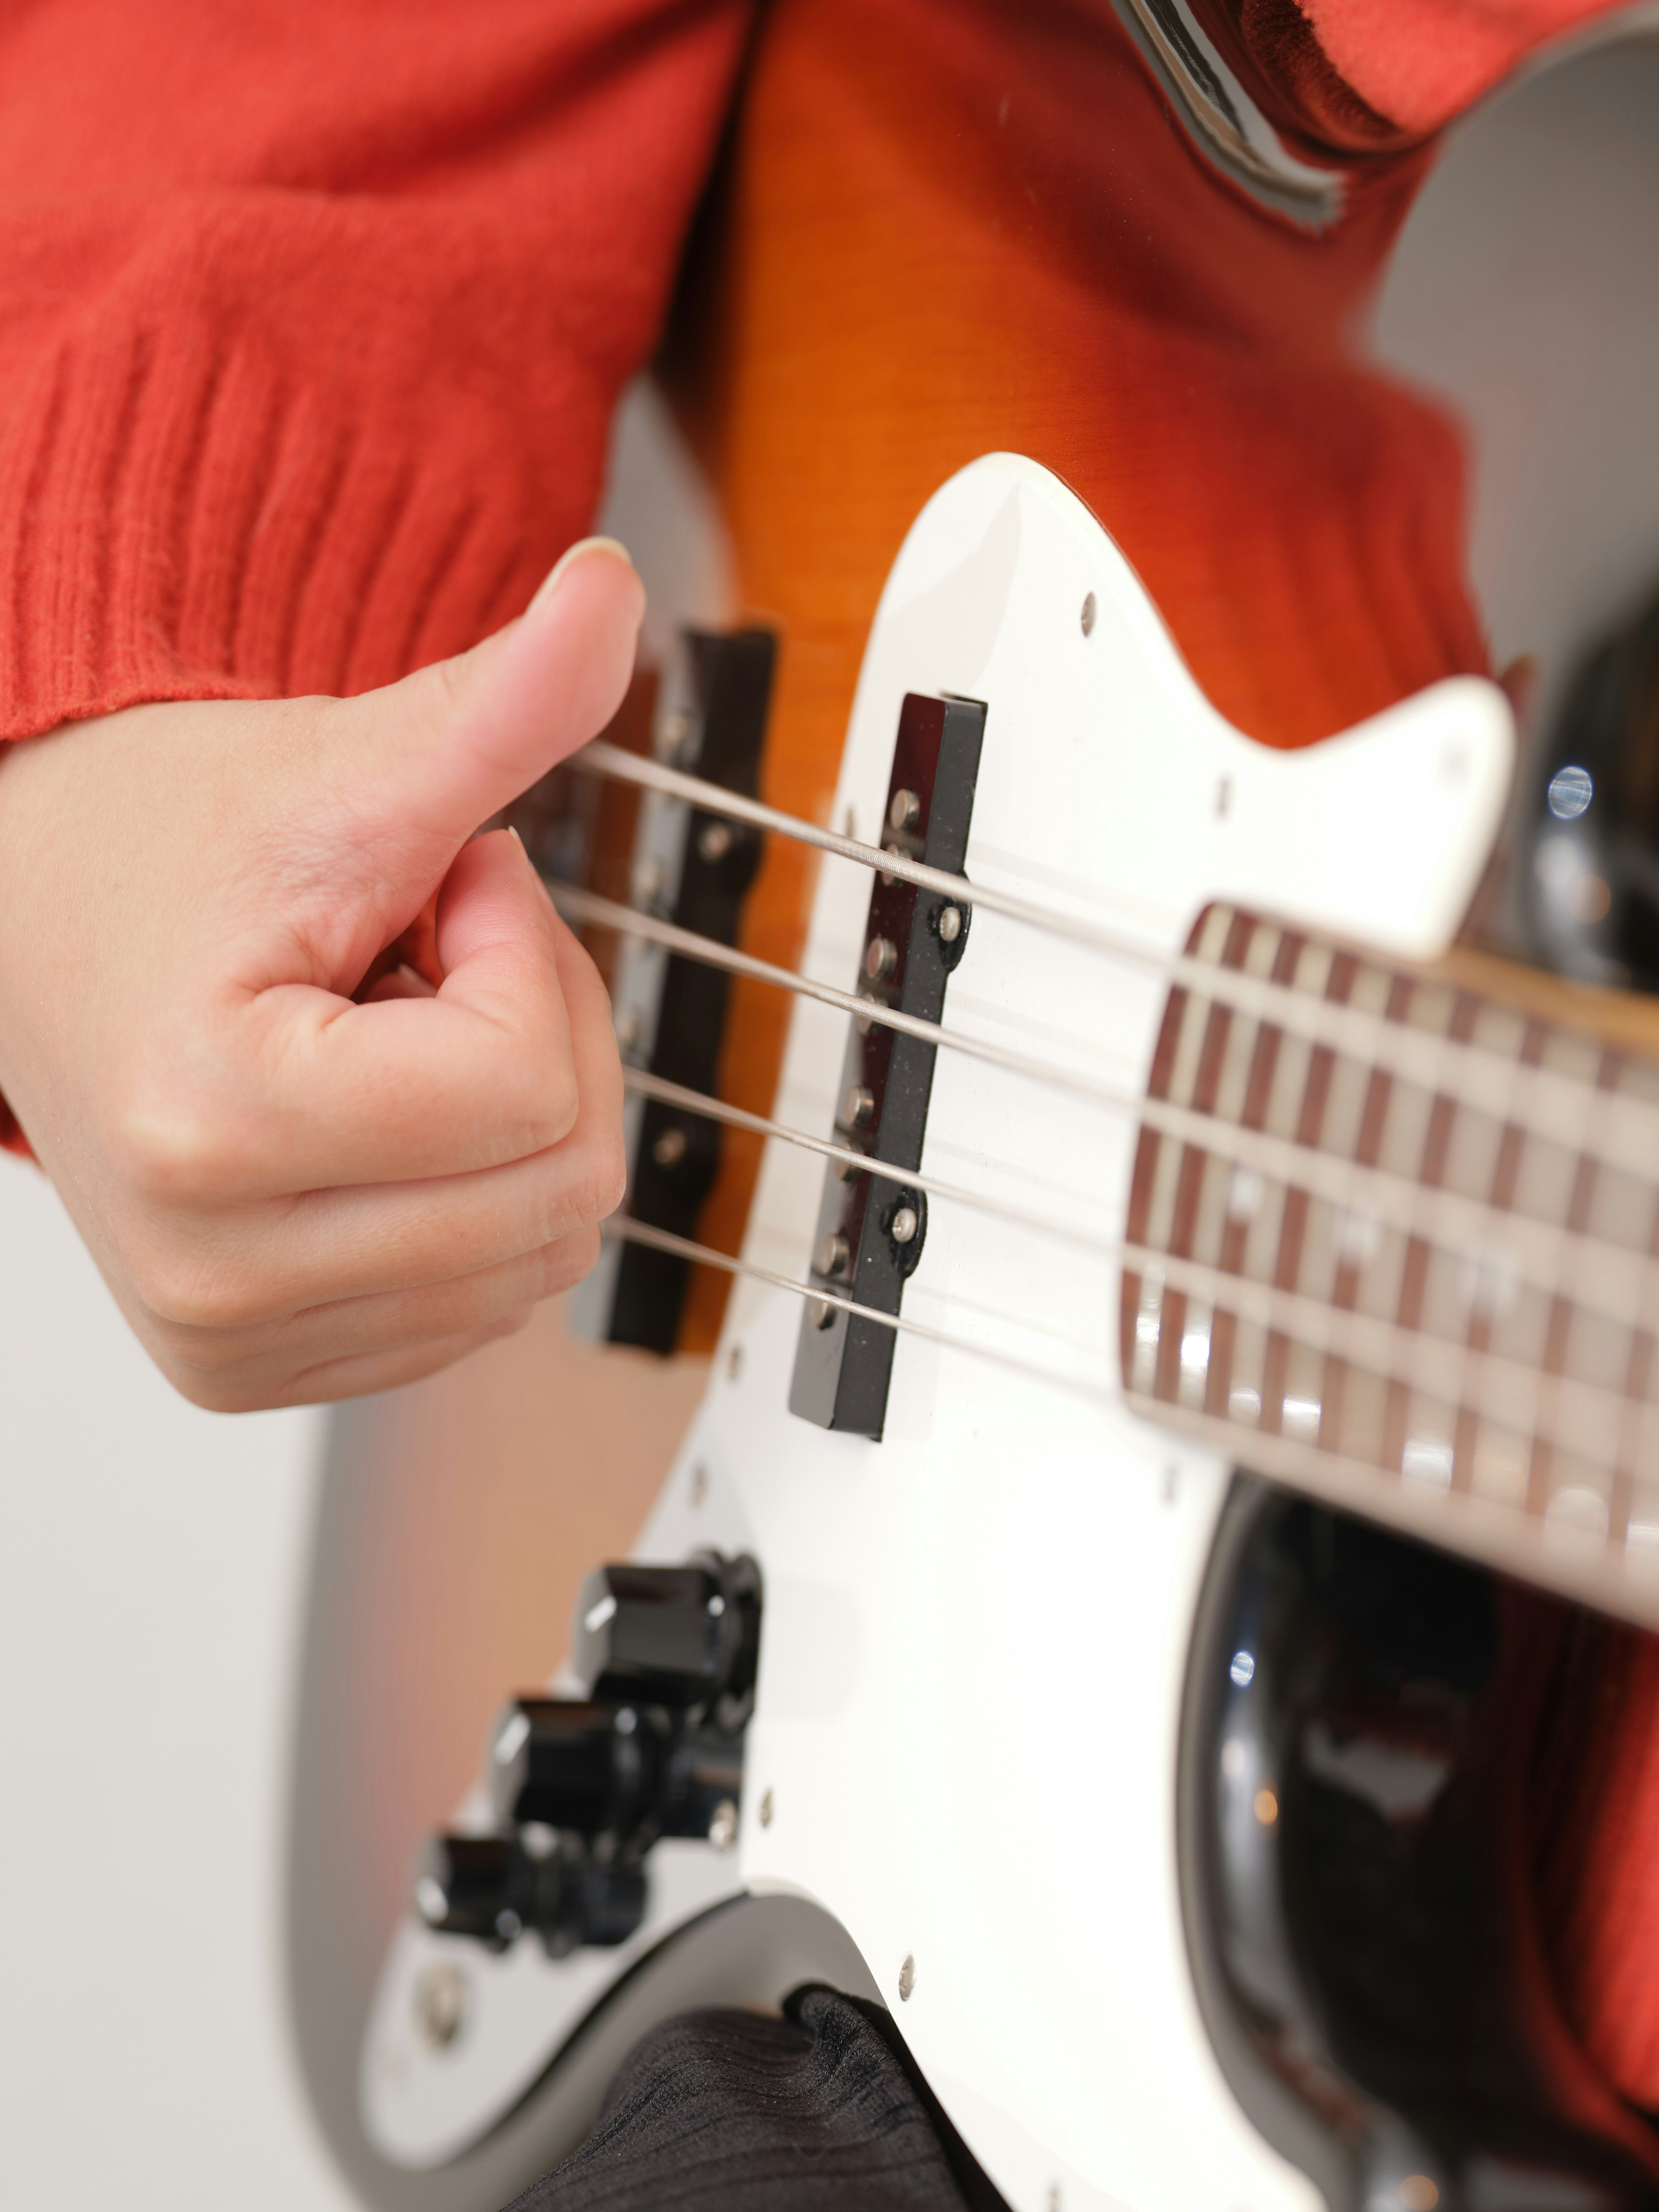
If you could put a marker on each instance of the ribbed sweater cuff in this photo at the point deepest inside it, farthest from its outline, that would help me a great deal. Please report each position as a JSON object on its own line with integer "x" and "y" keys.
{"x": 179, "y": 519}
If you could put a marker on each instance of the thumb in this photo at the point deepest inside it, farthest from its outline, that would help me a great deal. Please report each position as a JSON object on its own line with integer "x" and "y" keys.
{"x": 439, "y": 753}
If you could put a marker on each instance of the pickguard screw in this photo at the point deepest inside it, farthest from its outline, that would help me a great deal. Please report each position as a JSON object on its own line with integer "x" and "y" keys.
{"x": 907, "y": 1979}
{"x": 670, "y": 1148}
{"x": 714, "y": 841}
{"x": 766, "y": 1808}
{"x": 699, "y": 1482}
{"x": 903, "y": 810}
{"x": 734, "y": 1363}
{"x": 905, "y": 1225}
{"x": 1088, "y": 613}
{"x": 723, "y": 1828}
{"x": 950, "y": 925}
{"x": 1223, "y": 797}
{"x": 442, "y": 1998}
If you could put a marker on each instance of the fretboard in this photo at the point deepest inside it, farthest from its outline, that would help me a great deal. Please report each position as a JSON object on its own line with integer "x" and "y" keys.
{"x": 1397, "y": 1244}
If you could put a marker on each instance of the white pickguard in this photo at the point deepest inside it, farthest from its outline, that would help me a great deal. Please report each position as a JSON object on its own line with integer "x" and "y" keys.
{"x": 975, "y": 1631}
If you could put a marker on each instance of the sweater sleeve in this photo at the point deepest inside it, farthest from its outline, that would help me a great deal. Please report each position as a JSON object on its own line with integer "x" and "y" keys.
{"x": 312, "y": 314}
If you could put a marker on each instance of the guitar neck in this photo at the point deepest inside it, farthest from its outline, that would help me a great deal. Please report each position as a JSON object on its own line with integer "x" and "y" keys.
{"x": 1393, "y": 1239}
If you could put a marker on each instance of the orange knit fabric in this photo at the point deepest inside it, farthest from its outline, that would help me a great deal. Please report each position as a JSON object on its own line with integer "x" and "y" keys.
{"x": 313, "y": 316}
{"x": 312, "y": 313}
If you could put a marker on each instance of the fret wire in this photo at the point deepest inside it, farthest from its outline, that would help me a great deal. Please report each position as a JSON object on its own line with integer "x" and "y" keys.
{"x": 1397, "y": 1046}
{"x": 1594, "y": 1568}
{"x": 1384, "y": 1348}
{"x": 1399, "y": 1200}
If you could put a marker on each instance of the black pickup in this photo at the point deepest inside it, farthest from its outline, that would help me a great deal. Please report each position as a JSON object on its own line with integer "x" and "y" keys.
{"x": 870, "y": 1231}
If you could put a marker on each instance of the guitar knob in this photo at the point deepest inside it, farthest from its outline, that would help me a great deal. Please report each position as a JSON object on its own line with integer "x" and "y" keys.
{"x": 494, "y": 1888}
{"x": 476, "y": 1885}
{"x": 587, "y": 1769}
{"x": 683, "y": 1637}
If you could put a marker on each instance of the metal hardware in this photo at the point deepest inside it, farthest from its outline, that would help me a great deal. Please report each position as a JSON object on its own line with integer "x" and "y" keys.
{"x": 906, "y": 1222}
{"x": 670, "y": 1148}
{"x": 832, "y": 1255}
{"x": 766, "y": 1808}
{"x": 1088, "y": 616}
{"x": 441, "y": 1999}
{"x": 857, "y": 1104}
{"x": 723, "y": 1828}
{"x": 949, "y": 924}
{"x": 907, "y": 1979}
{"x": 842, "y": 1365}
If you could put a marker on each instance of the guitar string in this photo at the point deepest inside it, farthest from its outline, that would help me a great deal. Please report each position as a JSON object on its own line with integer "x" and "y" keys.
{"x": 1440, "y": 1367}
{"x": 738, "y": 1117}
{"x": 1402, "y": 1047}
{"x": 630, "y": 1231}
{"x": 1330, "y": 1476}
{"x": 1469, "y": 1228}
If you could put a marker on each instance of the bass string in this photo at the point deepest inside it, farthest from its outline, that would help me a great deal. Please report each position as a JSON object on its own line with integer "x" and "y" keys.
{"x": 1488, "y": 1076}
{"x": 1472, "y": 1228}
{"x": 1498, "y": 1391}
{"x": 1512, "y": 1538}
{"x": 630, "y": 1231}
{"x": 847, "y": 1156}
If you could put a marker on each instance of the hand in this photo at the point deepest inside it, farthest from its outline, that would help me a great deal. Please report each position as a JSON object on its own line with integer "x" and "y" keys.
{"x": 294, "y": 1195}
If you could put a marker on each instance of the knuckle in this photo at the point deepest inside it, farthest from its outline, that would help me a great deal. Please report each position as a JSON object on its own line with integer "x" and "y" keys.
{"x": 169, "y": 1149}
{"x": 193, "y": 1303}
{"x": 556, "y": 1109}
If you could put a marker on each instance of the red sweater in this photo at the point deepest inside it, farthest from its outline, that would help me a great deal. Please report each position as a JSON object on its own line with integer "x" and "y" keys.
{"x": 313, "y": 315}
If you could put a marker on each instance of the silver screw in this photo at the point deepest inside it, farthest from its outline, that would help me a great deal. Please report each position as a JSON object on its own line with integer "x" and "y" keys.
{"x": 716, "y": 841}
{"x": 905, "y": 1225}
{"x": 823, "y": 1313}
{"x": 950, "y": 925}
{"x": 1223, "y": 797}
{"x": 627, "y": 1029}
{"x": 442, "y": 1999}
{"x": 832, "y": 1255}
{"x": 1053, "y": 2196}
{"x": 857, "y": 1106}
{"x": 670, "y": 1148}
{"x": 699, "y": 1482}
{"x": 648, "y": 880}
{"x": 734, "y": 1363}
{"x": 723, "y": 1827}
{"x": 766, "y": 1808}
{"x": 540, "y": 1841}
{"x": 1088, "y": 613}
{"x": 903, "y": 810}
{"x": 880, "y": 958}
{"x": 675, "y": 729}
{"x": 907, "y": 1979}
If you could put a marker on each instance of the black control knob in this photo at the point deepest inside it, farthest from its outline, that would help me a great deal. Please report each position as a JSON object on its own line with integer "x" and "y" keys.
{"x": 495, "y": 1888}
{"x": 684, "y": 1637}
{"x": 592, "y": 1770}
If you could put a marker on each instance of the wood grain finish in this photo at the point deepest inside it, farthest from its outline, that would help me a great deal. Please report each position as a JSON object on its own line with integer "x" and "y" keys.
{"x": 948, "y": 230}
